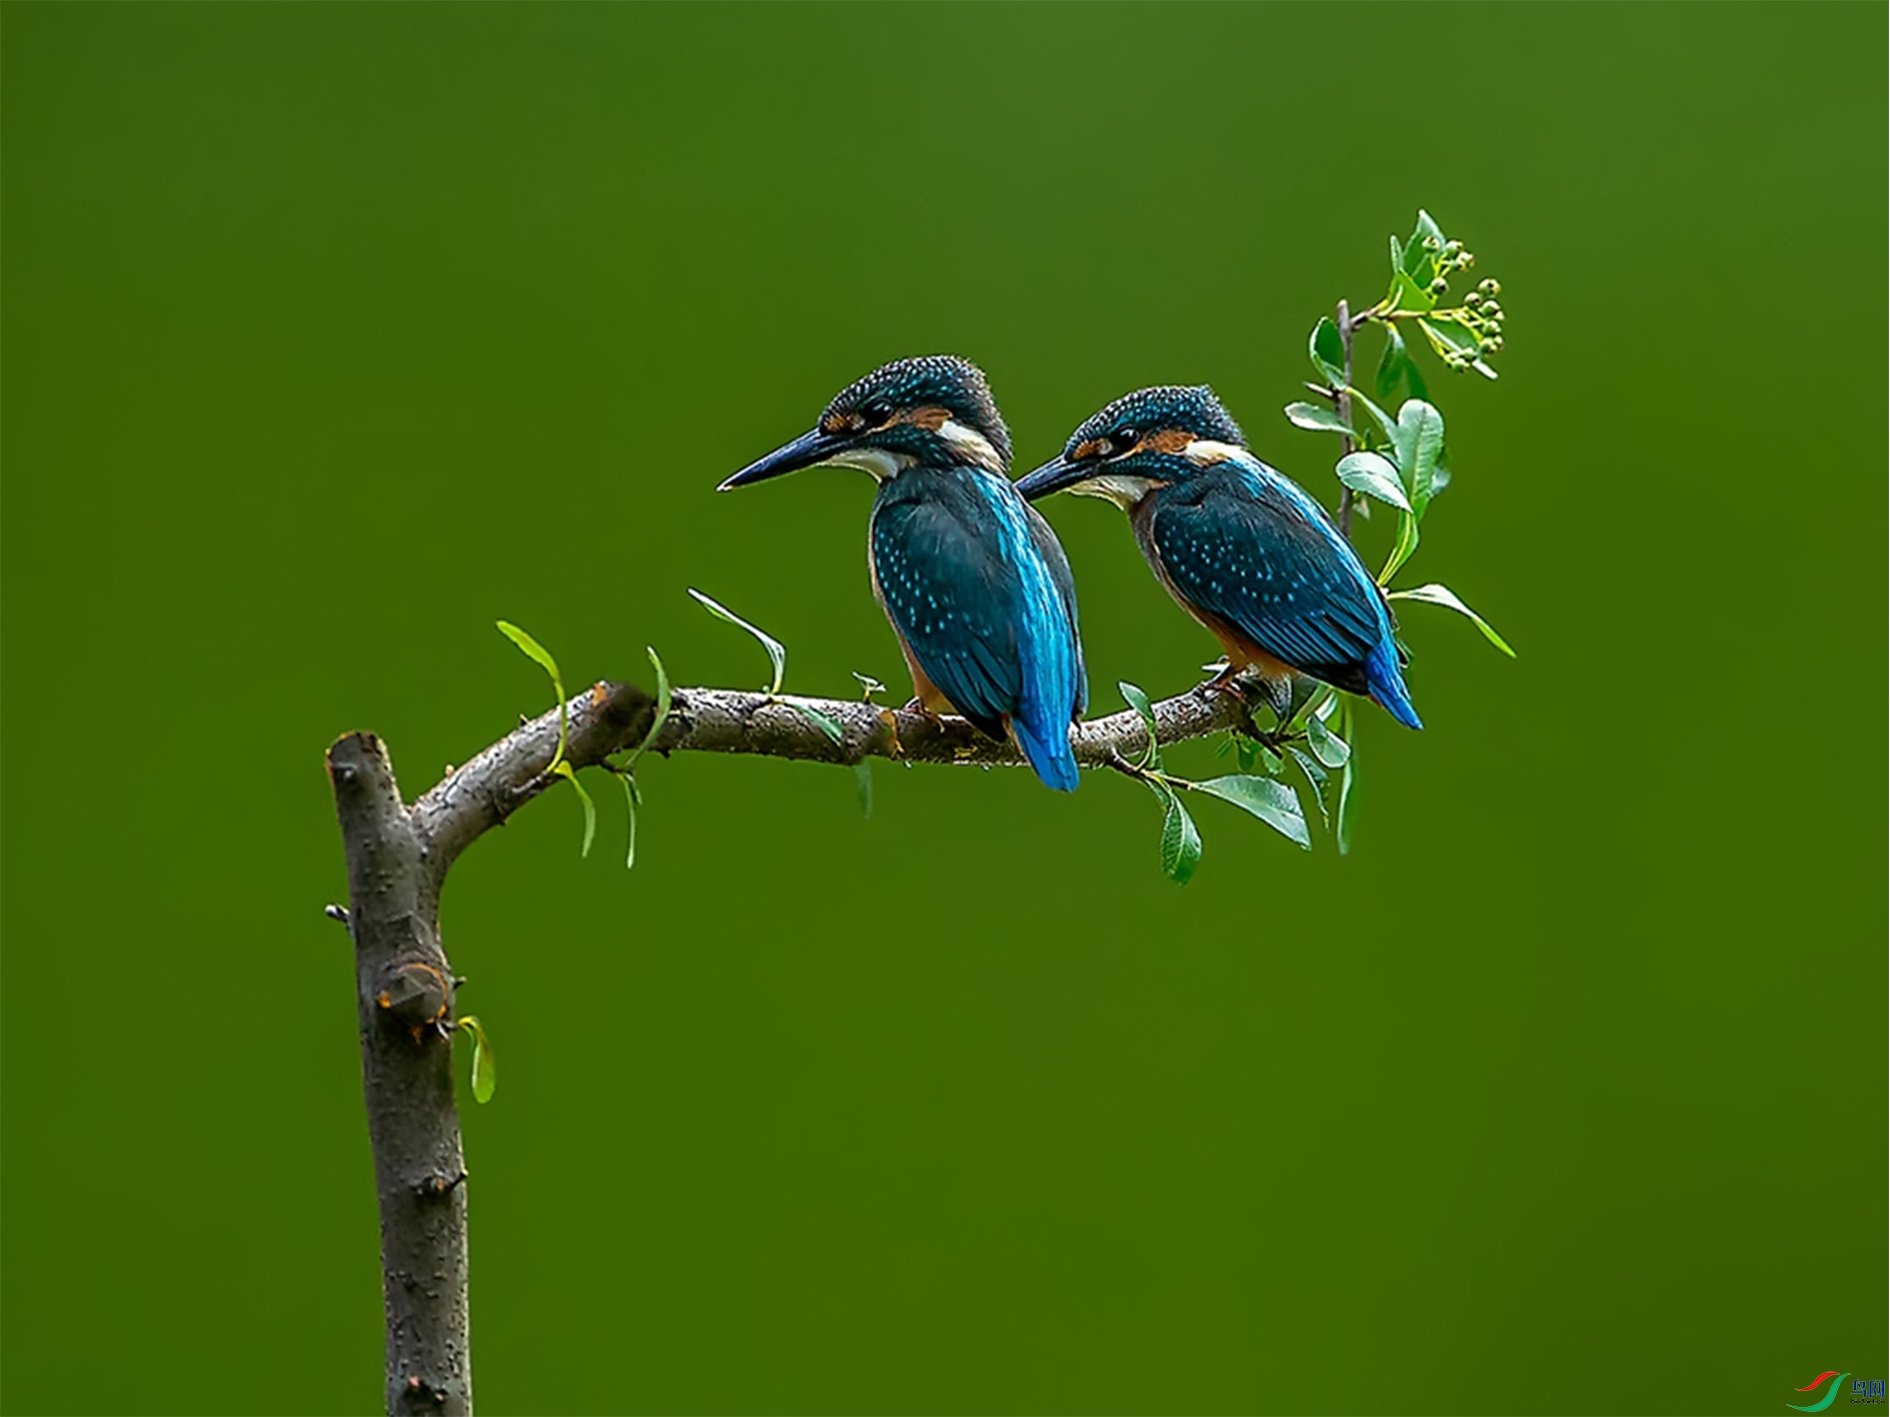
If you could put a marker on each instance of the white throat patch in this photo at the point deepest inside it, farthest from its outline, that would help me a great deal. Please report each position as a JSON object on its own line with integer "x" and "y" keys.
{"x": 878, "y": 463}
{"x": 1125, "y": 489}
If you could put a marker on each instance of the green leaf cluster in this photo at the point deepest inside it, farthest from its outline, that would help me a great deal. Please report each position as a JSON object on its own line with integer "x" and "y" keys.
{"x": 561, "y": 765}
{"x": 1464, "y": 335}
{"x": 1399, "y": 460}
{"x": 1252, "y": 791}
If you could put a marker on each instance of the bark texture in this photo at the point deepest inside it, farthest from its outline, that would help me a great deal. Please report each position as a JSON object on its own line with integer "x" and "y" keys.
{"x": 404, "y": 992}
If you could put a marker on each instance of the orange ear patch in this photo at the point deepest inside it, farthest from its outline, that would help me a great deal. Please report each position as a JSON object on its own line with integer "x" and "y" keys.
{"x": 1093, "y": 448}
{"x": 931, "y": 418}
{"x": 1169, "y": 440}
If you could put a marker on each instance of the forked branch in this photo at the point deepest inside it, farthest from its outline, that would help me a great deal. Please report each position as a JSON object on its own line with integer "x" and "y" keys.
{"x": 398, "y": 857}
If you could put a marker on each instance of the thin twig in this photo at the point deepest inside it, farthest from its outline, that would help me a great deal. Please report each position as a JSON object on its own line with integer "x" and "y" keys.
{"x": 1344, "y": 405}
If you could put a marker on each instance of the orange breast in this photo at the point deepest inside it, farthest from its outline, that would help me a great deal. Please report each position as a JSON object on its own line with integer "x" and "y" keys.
{"x": 1241, "y": 652}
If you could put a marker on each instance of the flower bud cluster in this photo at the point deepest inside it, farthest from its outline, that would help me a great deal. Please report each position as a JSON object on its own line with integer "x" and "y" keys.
{"x": 1482, "y": 315}
{"x": 1449, "y": 256}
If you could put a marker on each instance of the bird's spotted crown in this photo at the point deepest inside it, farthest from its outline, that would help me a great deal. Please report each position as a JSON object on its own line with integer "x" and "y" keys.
{"x": 934, "y": 381}
{"x": 1193, "y": 410}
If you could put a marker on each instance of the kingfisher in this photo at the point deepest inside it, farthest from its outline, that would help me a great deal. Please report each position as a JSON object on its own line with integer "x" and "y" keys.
{"x": 1241, "y": 548}
{"x": 975, "y": 583}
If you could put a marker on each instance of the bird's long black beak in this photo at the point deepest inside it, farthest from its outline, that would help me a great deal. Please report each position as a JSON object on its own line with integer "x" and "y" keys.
{"x": 809, "y": 450}
{"x": 1053, "y": 476}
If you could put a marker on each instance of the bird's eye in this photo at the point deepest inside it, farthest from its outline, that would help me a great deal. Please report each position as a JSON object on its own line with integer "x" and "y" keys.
{"x": 878, "y": 412}
{"x": 1122, "y": 440}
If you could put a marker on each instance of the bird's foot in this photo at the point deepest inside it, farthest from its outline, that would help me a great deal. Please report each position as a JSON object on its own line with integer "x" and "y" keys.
{"x": 918, "y": 706}
{"x": 1226, "y": 682}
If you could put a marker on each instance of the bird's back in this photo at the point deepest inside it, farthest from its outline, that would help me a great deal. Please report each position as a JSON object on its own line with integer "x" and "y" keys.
{"x": 1252, "y": 550}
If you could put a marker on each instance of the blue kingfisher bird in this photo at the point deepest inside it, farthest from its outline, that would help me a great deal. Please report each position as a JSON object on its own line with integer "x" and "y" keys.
{"x": 975, "y": 583}
{"x": 1241, "y": 548}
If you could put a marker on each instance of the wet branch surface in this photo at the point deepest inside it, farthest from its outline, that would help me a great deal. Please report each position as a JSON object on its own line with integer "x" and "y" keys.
{"x": 398, "y": 857}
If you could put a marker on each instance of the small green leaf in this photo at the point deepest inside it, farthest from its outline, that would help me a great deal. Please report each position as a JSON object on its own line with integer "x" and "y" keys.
{"x": 565, "y": 771}
{"x": 1137, "y": 700}
{"x": 1440, "y": 475}
{"x": 1347, "y": 808}
{"x": 1450, "y": 338}
{"x": 632, "y": 799}
{"x": 1402, "y": 548}
{"x": 869, "y": 685}
{"x": 823, "y": 721}
{"x": 1379, "y": 416}
{"x": 1181, "y": 842}
{"x": 662, "y": 699}
{"x": 1420, "y": 260}
{"x": 1327, "y": 349}
{"x": 485, "y": 1068}
{"x": 1419, "y": 441}
{"x": 1272, "y": 802}
{"x": 541, "y": 656}
{"x": 1251, "y": 756}
{"x": 1397, "y": 253}
{"x": 863, "y": 787}
{"x": 777, "y": 652}
{"x": 1315, "y": 779}
{"x": 1373, "y": 475}
{"x": 1317, "y": 419}
{"x": 533, "y": 650}
{"x": 1443, "y": 595}
{"x": 1133, "y": 696}
{"x": 657, "y": 718}
{"x": 1327, "y": 746}
{"x": 1407, "y": 295}
{"x": 1308, "y": 764}
{"x": 1302, "y": 693}
{"x": 1391, "y": 364}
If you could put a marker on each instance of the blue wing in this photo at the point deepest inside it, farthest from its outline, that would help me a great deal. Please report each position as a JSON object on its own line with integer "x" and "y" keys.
{"x": 1255, "y": 552}
{"x": 967, "y": 588}
{"x": 1058, "y": 564}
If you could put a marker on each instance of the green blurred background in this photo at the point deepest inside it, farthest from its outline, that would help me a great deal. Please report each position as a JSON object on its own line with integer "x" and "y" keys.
{"x": 334, "y": 333}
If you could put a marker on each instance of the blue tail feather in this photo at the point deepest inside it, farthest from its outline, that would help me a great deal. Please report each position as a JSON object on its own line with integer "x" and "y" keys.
{"x": 1049, "y": 754}
{"x": 1387, "y": 684}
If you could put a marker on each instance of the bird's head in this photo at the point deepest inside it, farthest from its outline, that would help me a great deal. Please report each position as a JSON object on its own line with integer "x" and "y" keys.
{"x": 1141, "y": 441}
{"x": 936, "y": 410}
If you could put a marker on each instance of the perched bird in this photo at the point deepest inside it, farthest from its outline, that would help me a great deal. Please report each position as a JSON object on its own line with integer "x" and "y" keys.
{"x": 975, "y": 583}
{"x": 1240, "y": 547}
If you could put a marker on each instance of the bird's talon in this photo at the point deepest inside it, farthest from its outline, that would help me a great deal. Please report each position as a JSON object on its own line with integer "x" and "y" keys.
{"x": 916, "y": 705}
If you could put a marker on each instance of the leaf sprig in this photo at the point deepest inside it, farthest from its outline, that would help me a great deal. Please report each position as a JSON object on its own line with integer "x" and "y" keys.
{"x": 1271, "y": 801}
{"x": 561, "y": 765}
{"x": 1402, "y": 461}
{"x": 1399, "y": 460}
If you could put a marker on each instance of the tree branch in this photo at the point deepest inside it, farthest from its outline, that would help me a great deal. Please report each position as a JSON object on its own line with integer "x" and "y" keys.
{"x": 1343, "y": 404}
{"x": 404, "y": 1003}
{"x": 609, "y": 718}
{"x": 398, "y": 858}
